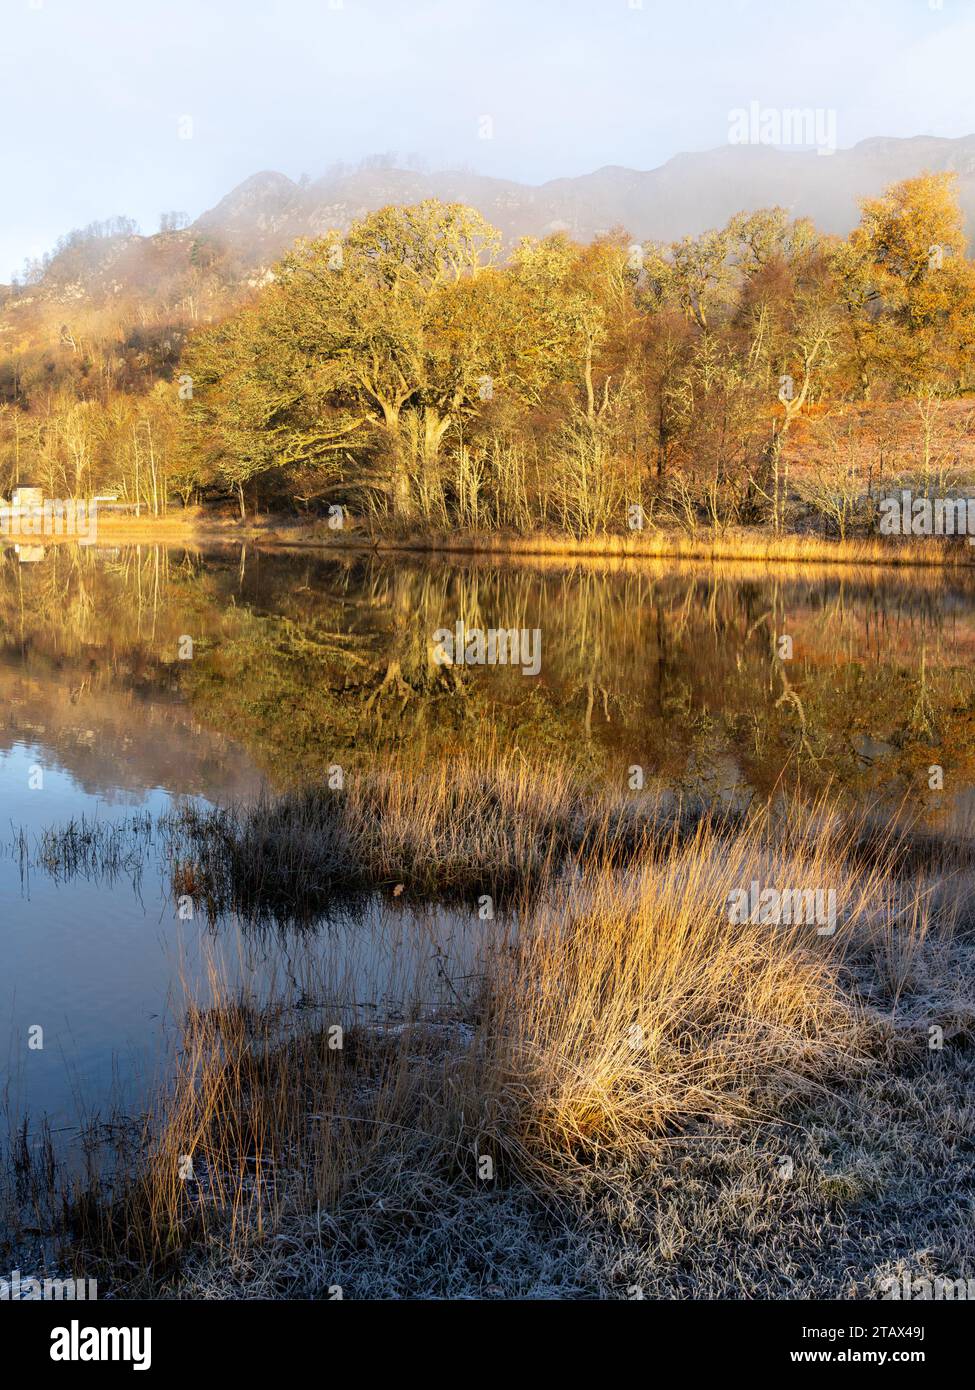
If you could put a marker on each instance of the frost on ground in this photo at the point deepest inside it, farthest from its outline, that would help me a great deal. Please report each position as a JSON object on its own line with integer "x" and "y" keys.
{"x": 869, "y": 1176}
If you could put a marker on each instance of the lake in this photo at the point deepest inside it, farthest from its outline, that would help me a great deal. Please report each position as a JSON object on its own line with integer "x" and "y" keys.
{"x": 135, "y": 680}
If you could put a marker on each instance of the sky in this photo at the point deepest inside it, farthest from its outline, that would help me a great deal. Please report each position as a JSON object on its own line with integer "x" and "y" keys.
{"x": 137, "y": 107}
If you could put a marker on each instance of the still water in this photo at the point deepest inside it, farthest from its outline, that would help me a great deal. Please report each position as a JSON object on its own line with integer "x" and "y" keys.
{"x": 135, "y": 679}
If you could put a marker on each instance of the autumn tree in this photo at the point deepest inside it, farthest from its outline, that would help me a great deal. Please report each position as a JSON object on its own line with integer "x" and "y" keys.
{"x": 907, "y": 287}
{"x": 255, "y": 404}
{"x": 395, "y": 318}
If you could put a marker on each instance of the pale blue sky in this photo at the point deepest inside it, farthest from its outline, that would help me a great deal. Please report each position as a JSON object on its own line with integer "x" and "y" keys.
{"x": 92, "y": 91}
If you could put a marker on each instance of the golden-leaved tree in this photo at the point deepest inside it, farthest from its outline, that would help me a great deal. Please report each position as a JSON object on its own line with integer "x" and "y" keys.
{"x": 908, "y": 288}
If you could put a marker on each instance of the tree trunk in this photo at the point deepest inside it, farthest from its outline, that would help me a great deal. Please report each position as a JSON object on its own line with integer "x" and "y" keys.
{"x": 435, "y": 426}
{"x": 399, "y": 474}
{"x": 402, "y": 496}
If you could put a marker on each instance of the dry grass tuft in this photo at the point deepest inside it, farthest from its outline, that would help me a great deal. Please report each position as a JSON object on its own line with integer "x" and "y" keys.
{"x": 632, "y": 1006}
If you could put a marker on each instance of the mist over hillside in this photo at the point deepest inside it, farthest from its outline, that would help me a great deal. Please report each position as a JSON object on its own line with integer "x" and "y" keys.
{"x": 683, "y": 197}
{"x": 260, "y": 218}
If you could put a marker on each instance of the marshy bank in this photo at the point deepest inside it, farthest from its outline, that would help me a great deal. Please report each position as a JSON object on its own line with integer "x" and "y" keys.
{"x": 724, "y": 545}
{"x": 615, "y": 1086}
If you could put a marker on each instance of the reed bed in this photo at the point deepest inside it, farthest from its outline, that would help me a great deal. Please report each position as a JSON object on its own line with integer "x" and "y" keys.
{"x": 452, "y": 830}
{"x": 742, "y": 545}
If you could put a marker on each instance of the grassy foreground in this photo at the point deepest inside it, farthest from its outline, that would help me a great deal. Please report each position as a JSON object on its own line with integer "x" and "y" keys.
{"x": 620, "y": 1093}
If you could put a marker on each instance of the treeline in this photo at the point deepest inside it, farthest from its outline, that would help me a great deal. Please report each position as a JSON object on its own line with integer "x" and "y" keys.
{"x": 37, "y": 267}
{"x": 412, "y": 373}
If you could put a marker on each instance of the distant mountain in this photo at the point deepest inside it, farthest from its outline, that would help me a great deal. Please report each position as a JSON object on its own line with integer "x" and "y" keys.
{"x": 260, "y": 219}
{"x": 687, "y": 195}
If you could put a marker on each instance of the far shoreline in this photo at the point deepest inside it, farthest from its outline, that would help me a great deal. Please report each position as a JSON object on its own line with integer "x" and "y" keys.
{"x": 752, "y": 545}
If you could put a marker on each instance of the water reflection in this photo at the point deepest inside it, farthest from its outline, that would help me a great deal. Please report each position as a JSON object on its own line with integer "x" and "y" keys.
{"x": 301, "y": 662}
